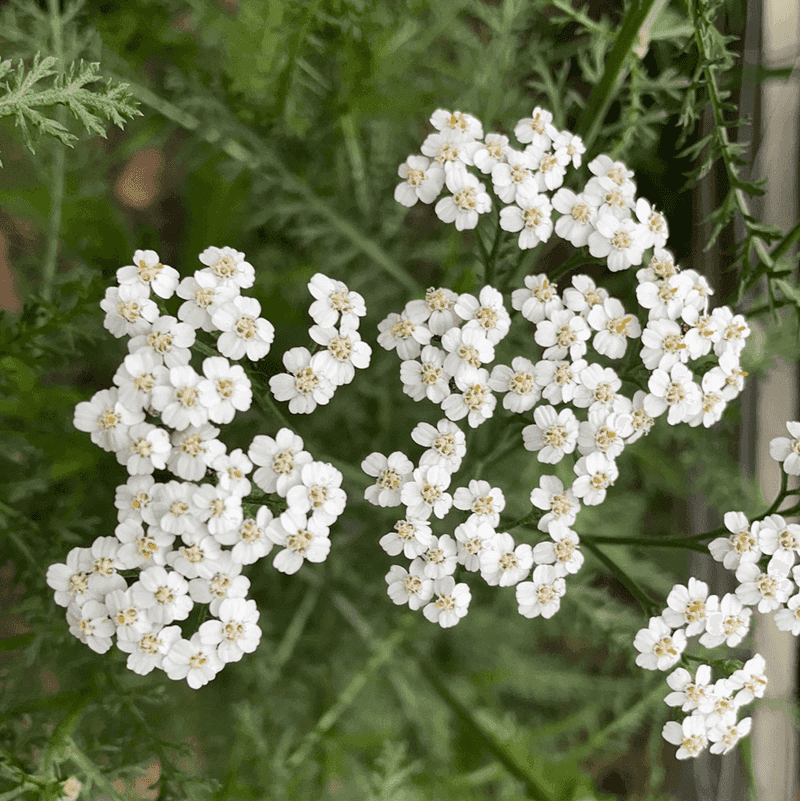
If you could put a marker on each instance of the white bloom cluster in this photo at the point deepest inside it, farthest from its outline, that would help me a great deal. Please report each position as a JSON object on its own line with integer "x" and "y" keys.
{"x": 186, "y": 542}
{"x": 446, "y": 343}
{"x": 312, "y": 380}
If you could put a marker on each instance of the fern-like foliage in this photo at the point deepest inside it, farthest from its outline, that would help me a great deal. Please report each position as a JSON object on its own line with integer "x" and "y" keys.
{"x": 26, "y": 91}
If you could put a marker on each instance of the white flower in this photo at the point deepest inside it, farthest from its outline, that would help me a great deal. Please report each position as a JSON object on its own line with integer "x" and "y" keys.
{"x": 409, "y": 586}
{"x": 302, "y": 539}
{"x": 518, "y": 383}
{"x": 229, "y": 267}
{"x": 198, "y": 557}
{"x": 787, "y": 451}
{"x": 484, "y": 501}
{"x": 563, "y": 552}
{"x": 440, "y": 557}
{"x": 690, "y": 694}
{"x": 553, "y": 434}
{"x": 531, "y": 216}
{"x": 788, "y": 618}
{"x": 777, "y": 538}
{"x": 598, "y": 390}
{"x": 551, "y": 168}
{"x": 613, "y": 327}
{"x": 448, "y": 149}
{"x": 140, "y": 549}
{"x": 733, "y": 330}
{"x": 192, "y": 660}
{"x": 542, "y": 596}
{"x": 251, "y": 542}
{"x": 130, "y": 621}
{"x": 640, "y": 420}
{"x": 148, "y": 271}
{"x": 204, "y": 294}
{"x": 604, "y": 432}
{"x": 615, "y": 171}
{"x": 390, "y": 474}
{"x": 608, "y": 199}
{"x": 425, "y": 493}
{"x": 332, "y": 299}
{"x": 406, "y": 332}
{"x": 280, "y": 461}
{"x": 305, "y": 385}
{"x": 71, "y": 580}
{"x": 654, "y": 229}
{"x": 148, "y": 448}
{"x": 475, "y": 401}
{"x": 690, "y": 607}
{"x": 725, "y": 737}
{"x": 663, "y": 345}
{"x": 437, "y": 309}
{"x": 691, "y": 735}
{"x": 559, "y": 380}
{"x": 134, "y": 500}
{"x": 136, "y": 377}
{"x": 411, "y": 537}
{"x": 514, "y": 174}
{"x": 486, "y": 312}
{"x": 163, "y": 594}
{"x": 665, "y": 297}
{"x": 147, "y": 653}
{"x": 452, "y": 601}
{"x": 426, "y": 378}
{"x": 750, "y": 681}
{"x": 179, "y": 401}
{"x": 659, "y": 647}
{"x": 129, "y": 310}
{"x": 421, "y": 181}
{"x": 106, "y": 419}
{"x": 674, "y": 390}
{"x": 577, "y": 220}
{"x": 583, "y": 295}
{"x": 102, "y": 574}
{"x": 468, "y": 200}
{"x": 225, "y": 582}
{"x": 472, "y": 537}
{"x": 91, "y": 625}
{"x": 728, "y": 625}
{"x": 538, "y": 129}
{"x": 489, "y": 152}
{"x": 560, "y": 504}
{"x": 446, "y": 444}
{"x": 244, "y": 333}
{"x": 344, "y": 352}
{"x": 742, "y": 544}
{"x": 619, "y": 240}
{"x": 769, "y": 590}
{"x": 319, "y": 494}
{"x": 219, "y": 509}
{"x": 194, "y": 451}
{"x": 167, "y": 339}
{"x": 232, "y": 470}
{"x": 174, "y": 509}
{"x": 595, "y": 473}
{"x": 502, "y": 564}
{"x": 563, "y": 335}
{"x": 466, "y": 348}
{"x": 571, "y": 146}
{"x": 226, "y": 389}
{"x": 465, "y": 127}
{"x": 236, "y": 633}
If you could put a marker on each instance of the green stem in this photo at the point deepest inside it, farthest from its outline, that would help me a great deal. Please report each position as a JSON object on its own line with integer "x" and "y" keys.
{"x": 649, "y": 607}
{"x": 788, "y": 240}
{"x": 780, "y": 496}
{"x": 603, "y": 93}
{"x": 676, "y": 542}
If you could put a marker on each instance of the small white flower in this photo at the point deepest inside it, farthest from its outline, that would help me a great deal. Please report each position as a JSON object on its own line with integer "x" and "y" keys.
{"x": 484, "y": 501}
{"x": 134, "y": 500}
{"x": 244, "y": 333}
{"x": 410, "y": 586}
{"x": 690, "y": 607}
{"x": 502, "y": 564}
{"x": 538, "y": 300}
{"x": 129, "y": 310}
{"x": 192, "y": 660}
{"x": 578, "y": 217}
{"x": 179, "y": 401}
{"x": 728, "y": 625}
{"x": 472, "y": 537}
{"x": 691, "y": 735}
{"x": 345, "y": 351}
{"x": 448, "y": 149}
{"x": 486, "y": 312}
{"x": 619, "y": 240}
{"x": 71, "y": 580}
{"x": 426, "y": 378}
{"x": 198, "y": 557}
{"x": 405, "y": 332}
{"x": 661, "y": 265}
{"x": 788, "y": 618}
{"x": 224, "y": 582}
{"x": 147, "y": 653}
{"x": 595, "y": 473}
{"x": 148, "y": 448}
{"x": 466, "y": 347}
{"x": 102, "y": 574}
{"x": 332, "y": 300}
{"x": 451, "y": 604}
{"x": 141, "y": 549}
{"x": 301, "y": 539}
{"x": 561, "y": 504}
{"x": 229, "y": 267}
{"x": 194, "y": 451}
{"x": 465, "y": 127}
{"x": 226, "y": 389}
{"x": 305, "y": 385}
{"x": 616, "y": 172}
{"x": 583, "y": 295}
{"x": 663, "y": 345}
{"x": 174, "y": 509}
{"x": 542, "y": 596}
{"x": 654, "y": 229}
{"x": 411, "y": 537}
{"x": 769, "y": 590}
{"x": 219, "y": 509}
{"x": 559, "y": 380}
{"x": 641, "y": 422}
{"x": 425, "y": 493}
{"x": 204, "y": 294}
{"x": 604, "y": 432}
{"x": 688, "y": 693}
{"x": 538, "y": 129}
{"x": 787, "y": 451}
{"x": 130, "y": 621}
{"x": 733, "y": 329}
{"x": 614, "y": 327}
{"x": 563, "y": 335}
{"x": 489, "y": 152}
{"x": 422, "y": 180}
{"x": 571, "y": 146}
{"x": 725, "y": 737}
{"x": 390, "y": 474}
{"x": 136, "y": 377}
{"x": 750, "y": 681}
{"x": 440, "y": 557}
{"x": 475, "y": 402}
{"x": 514, "y": 174}
{"x": 598, "y": 390}
{"x": 437, "y": 310}
{"x": 167, "y": 339}
{"x": 518, "y": 382}
{"x": 446, "y": 444}
{"x": 148, "y": 271}
{"x": 659, "y": 647}
{"x": 280, "y": 461}
{"x": 163, "y": 594}
{"x": 777, "y": 538}
{"x": 531, "y": 216}
{"x": 468, "y": 199}
{"x": 91, "y": 625}
{"x": 665, "y": 297}
{"x": 232, "y": 470}
{"x": 236, "y": 633}
{"x": 319, "y": 494}
{"x": 742, "y": 544}
{"x": 674, "y": 390}
{"x": 250, "y": 542}
{"x": 106, "y": 419}
{"x": 553, "y": 434}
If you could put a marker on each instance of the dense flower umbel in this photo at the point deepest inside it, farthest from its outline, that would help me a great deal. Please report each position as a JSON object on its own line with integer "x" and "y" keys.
{"x": 189, "y": 541}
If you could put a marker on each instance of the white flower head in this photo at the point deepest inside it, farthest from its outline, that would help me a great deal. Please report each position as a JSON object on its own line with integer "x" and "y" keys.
{"x": 654, "y": 229}
{"x": 486, "y": 312}
{"x": 787, "y": 451}
{"x": 306, "y": 385}
{"x": 203, "y": 294}
{"x": 422, "y": 180}
{"x": 769, "y": 590}
{"x": 484, "y": 501}
{"x": 148, "y": 271}
{"x": 451, "y": 603}
{"x": 425, "y": 493}
{"x": 91, "y": 625}
{"x": 563, "y": 335}
{"x": 106, "y": 419}
{"x": 446, "y": 444}
{"x": 560, "y": 504}
{"x": 660, "y": 648}
{"x": 595, "y": 473}
{"x": 194, "y": 451}
{"x": 729, "y": 624}
{"x": 690, "y": 607}
{"x": 319, "y": 493}
{"x": 531, "y": 216}
{"x": 236, "y": 633}
{"x": 750, "y": 681}
{"x": 675, "y": 390}
{"x": 129, "y": 310}
{"x": 163, "y": 594}
{"x": 466, "y": 347}
{"x": 334, "y": 301}
{"x": 410, "y": 537}
{"x": 70, "y": 581}
{"x": 279, "y": 461}
{"x": 538, "y": 129}
{"x": 518, "y": 382}
{"x": 502, "y": 564}
{"x": 225, "y": 390}
{"x": 538, "y": 300}
{"x": 244, "y": 333}
{"x": 614, "y": 327}
{"x": 472, "y": 537}
{"x": 167, "y": 339}
{"x": 345, "y": 351}
{"x": 691, "y": 736}
{"x": 742, "y": 544}
{"x": 691, "y": 693}
{"x": 467, "y": 201}
{"x": 148, "y": 448}
{"x": 136, "y": 377}
{"x": 229, "y": 267}
{"x": 427, "y": 377}
{"x": 390, "y": 474}
{"x": 302, "y": 539}
{"x": 464, "y": 126}
{"x": 475, "y": 401}
{"x": 410, "y": 586}
{"x": 179, "y": 401}
{"x": 553, "y": 434}
{"x": 541, "y": 596}
{"x": 440, "y": 557}
{"x": 192, "y": 660}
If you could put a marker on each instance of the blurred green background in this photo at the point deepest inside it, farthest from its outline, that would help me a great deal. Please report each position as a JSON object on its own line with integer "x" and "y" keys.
{"x": 276, "y": 128}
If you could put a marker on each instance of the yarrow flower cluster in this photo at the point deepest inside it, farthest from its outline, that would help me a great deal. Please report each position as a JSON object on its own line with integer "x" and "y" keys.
{"x": 184, "y": 542}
